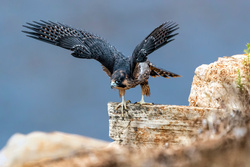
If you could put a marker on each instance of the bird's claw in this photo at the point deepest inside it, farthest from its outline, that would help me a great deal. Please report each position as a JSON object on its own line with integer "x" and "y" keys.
{"x": 144, "y": 103}
{"x": 123, "y": 106}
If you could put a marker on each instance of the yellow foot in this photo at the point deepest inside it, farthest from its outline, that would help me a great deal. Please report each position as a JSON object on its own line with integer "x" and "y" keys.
{"x": 123, "y": 106}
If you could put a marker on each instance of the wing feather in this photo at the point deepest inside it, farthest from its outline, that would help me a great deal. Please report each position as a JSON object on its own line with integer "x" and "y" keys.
{"x": 156, "y": 39}
{"x": 83, "y": 44}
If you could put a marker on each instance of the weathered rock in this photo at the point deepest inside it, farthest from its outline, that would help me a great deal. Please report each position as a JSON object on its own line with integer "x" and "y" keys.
{"x": 159, "y": 125}
{"x": 223, "y": 149}
{"x": 207, "y": 132}
{"x": 215, "y": 85}
{"x": 38, "y": 146}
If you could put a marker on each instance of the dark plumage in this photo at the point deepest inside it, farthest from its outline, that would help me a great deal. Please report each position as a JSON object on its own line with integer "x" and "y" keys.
{"x": 124, "y": 72}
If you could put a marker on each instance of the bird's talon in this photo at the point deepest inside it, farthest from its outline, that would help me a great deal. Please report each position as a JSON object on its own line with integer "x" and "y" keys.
{"x": 148, "y": 103}
{"x": 123, "y": 106}
{"x": 118, "y": 106}
{"x": 144, "y": 103}
{"x": 128, "y": 101}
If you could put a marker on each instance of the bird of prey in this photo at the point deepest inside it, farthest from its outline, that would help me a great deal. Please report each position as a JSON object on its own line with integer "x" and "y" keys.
{"x": 124, "y": 72}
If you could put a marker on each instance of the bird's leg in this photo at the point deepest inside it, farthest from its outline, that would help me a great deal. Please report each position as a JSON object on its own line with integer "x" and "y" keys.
{"x": 123, "y": 104}
{"x": 142, "y": 99}
{"x": 145, "y": 90}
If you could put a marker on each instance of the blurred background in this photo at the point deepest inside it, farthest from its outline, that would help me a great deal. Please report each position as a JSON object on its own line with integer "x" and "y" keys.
{"x": 44, "y": 88}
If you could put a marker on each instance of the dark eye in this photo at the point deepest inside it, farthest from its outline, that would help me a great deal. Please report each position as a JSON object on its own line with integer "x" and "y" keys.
{"x": 117, "y": 82}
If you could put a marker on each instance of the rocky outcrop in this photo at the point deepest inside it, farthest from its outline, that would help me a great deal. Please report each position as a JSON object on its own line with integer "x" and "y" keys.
{"x": 159, "y": 125}
{"x": 215, "y": 85}
{"x": 215, "y": 91}
{"x": 205, "y": 133}
{"x": 220, "y": 149}
{"x": 39, "y": 146}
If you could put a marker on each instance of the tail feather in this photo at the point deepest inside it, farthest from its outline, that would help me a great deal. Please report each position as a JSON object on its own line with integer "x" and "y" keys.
{"x": 156, "y": 72}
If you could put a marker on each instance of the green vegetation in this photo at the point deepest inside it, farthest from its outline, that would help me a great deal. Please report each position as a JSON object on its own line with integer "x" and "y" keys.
{"x": 239, "y": 83}
{"x": 246, "y": 69}
{"x": 246, "y": 63}
{"x": 247, "y": 50}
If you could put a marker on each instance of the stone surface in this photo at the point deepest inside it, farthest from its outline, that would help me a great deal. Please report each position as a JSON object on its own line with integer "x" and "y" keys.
{"x": 229, "y": 146}
{"x": 207, "y": 132}
{"x": 38, "y": 146}
{"x": 215, "y": 86}
{"x": 158, "y": 125}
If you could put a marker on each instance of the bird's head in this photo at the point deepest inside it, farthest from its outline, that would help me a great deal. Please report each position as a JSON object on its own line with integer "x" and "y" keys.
{"x": 118, "y": 79}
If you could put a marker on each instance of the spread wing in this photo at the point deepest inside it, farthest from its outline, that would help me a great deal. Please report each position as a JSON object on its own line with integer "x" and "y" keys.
{"x": 83, "y": 44}
{"x": 156, "y": 39}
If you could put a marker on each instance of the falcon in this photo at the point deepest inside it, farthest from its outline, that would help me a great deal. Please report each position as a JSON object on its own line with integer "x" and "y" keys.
{"x": 124, "y": 72}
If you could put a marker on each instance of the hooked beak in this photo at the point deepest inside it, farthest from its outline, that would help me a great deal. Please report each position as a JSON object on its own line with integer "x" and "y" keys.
{"x": 113, "y": 85}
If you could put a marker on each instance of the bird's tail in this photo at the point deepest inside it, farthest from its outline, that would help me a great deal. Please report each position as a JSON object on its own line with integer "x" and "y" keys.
{"x": 156, "y": 72}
